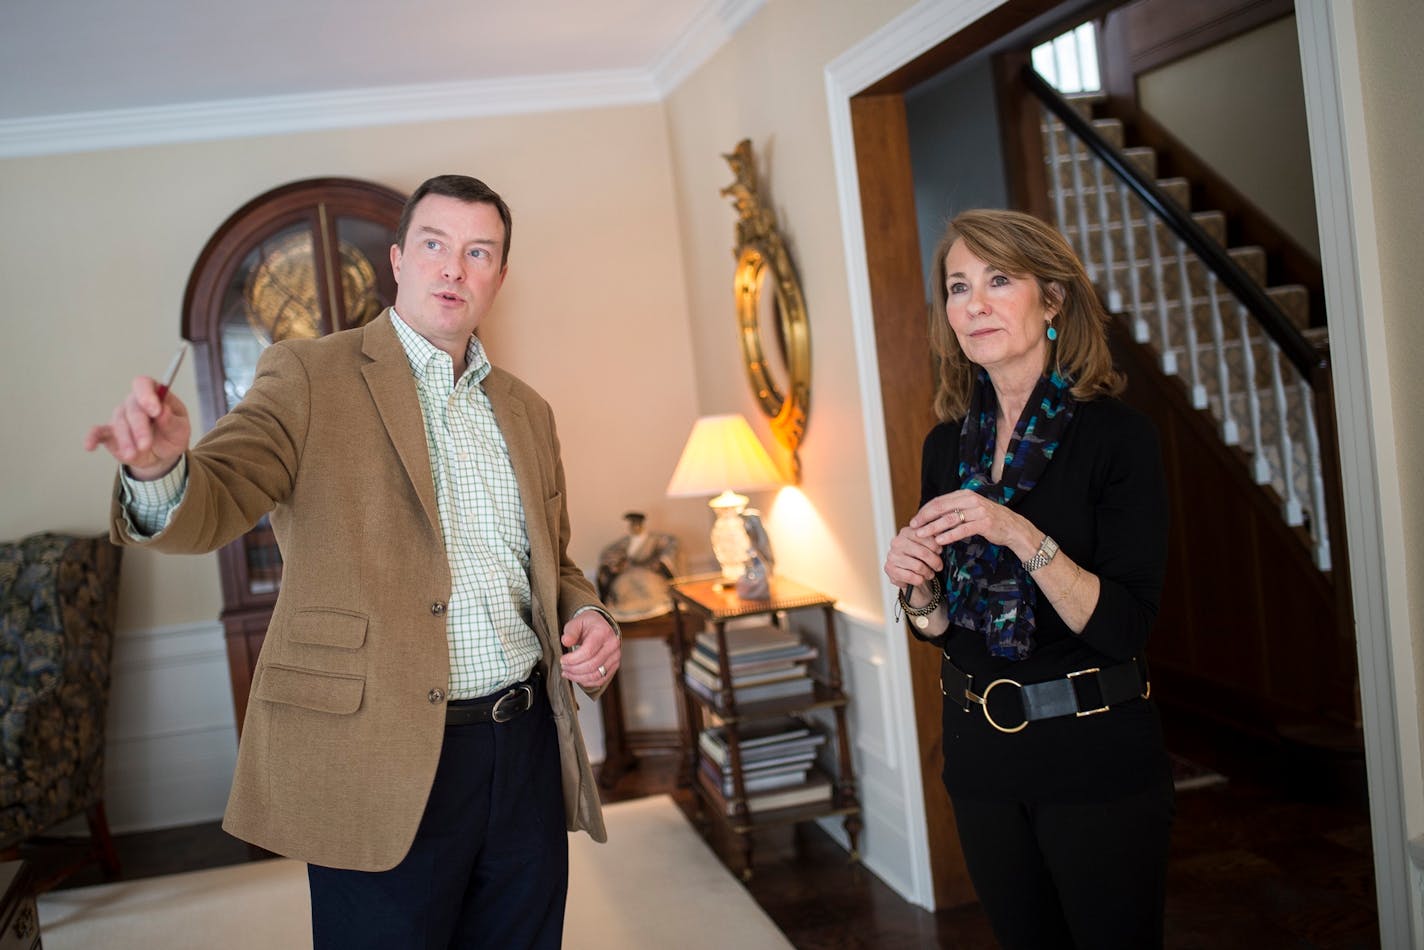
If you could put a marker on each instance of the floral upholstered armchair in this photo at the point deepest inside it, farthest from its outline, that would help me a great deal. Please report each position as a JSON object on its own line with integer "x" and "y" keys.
{"x": 58, "y": 600}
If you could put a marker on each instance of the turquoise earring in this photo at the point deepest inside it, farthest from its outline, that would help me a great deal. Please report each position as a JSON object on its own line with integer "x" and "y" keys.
{"x": 1052, "y": 333}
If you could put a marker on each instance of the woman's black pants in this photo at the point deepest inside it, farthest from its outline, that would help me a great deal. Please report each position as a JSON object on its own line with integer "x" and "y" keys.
{"x": 1069, "y": 876}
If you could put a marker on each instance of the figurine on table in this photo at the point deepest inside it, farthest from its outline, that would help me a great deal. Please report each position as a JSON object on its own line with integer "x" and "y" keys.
{"x": 633, "y": 572}
{"x": 755, "y": 582}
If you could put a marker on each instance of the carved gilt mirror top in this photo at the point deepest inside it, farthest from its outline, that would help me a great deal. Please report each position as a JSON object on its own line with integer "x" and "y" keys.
{"x": 772, "y": 327}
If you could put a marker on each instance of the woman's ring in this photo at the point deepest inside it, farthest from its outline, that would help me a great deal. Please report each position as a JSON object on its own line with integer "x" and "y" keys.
{"x": 601, "y": 671}
{"x": 960, "y": 512}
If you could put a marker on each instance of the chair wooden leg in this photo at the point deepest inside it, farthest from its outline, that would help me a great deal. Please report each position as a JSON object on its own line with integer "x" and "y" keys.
{"x": 103, "y": 842}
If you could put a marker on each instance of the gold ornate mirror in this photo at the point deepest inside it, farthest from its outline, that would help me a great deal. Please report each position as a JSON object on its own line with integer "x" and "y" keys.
{"x": 772, "y": 326}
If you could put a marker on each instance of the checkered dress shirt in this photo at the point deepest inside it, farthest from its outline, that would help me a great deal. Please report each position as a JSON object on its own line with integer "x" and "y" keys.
{"x": 481, "y": 517}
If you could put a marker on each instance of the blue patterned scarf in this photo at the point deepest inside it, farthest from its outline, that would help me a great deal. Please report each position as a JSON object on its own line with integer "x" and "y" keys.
{"x": 987, "y": 589}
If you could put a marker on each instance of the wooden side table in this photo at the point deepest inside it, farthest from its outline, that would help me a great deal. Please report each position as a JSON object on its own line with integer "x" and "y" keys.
{"x": 708, "y": 600}
{"x": 620, "y": 745}
{"x": 19, "y": 919}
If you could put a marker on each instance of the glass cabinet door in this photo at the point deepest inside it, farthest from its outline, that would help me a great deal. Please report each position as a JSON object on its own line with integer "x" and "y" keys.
{"x": 296, "y": 263}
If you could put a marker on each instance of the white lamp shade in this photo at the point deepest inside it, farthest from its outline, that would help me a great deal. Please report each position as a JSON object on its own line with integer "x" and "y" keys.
{"x": 722, "y": 454}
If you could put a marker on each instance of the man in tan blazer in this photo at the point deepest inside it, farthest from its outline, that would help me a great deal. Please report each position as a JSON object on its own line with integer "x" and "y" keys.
{"x": 412, "y": 730}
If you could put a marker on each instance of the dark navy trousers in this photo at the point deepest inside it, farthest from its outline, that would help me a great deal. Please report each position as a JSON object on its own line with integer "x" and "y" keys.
{"x": 490, "y": 863}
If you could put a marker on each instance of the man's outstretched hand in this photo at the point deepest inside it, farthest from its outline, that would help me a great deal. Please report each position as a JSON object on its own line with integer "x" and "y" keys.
{"x": 147, "y": 432}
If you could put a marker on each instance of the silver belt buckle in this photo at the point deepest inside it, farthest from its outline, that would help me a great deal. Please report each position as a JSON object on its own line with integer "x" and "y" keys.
{"x": 510, "y": 699}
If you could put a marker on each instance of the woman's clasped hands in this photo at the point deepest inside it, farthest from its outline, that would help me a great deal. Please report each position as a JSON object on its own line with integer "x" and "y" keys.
{"x": 914, "y": 555}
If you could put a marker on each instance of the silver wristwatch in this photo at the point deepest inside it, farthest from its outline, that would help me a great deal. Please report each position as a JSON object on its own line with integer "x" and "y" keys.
{"x": 1045, "y": 553}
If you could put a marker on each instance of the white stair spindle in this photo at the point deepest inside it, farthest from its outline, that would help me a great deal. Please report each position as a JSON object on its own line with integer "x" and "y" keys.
{"x": 1109, "y": 278}
{"x": 1260, "y": 467}
{"x": 1291, "y": 508}
{"x": 1140, "y": 331}
{"x": 1189, "y": 326}
{"x": 1075, "y": 150}
{"x": 1229, "y": 430}
{"x": 1169, "y": 353}
{"x": 1055, "y": 173}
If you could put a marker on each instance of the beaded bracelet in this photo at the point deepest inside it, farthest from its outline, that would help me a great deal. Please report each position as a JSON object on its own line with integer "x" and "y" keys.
{"x": 920, "y": 616}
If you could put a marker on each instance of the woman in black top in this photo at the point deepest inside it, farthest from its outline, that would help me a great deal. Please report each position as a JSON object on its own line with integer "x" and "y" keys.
{"x": 1035, "y": 562}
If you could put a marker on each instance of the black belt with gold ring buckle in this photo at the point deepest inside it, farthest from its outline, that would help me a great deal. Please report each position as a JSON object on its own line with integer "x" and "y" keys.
{"x": 984, "y": 704}
{"x": 1081, "y": 693}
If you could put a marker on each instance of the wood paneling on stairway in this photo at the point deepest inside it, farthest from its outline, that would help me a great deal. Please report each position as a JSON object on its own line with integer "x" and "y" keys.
{"x": 1248, "y": 632}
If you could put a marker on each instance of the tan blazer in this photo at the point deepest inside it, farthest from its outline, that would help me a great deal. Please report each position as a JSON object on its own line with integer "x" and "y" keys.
{"x": 347, "y": 713}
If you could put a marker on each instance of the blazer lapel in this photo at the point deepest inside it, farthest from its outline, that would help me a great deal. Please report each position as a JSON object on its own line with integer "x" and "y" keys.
{"x": 392, "y": 389}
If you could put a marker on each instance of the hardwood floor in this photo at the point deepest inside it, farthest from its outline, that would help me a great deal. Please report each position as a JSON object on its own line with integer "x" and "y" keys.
{"x": 1278, "y": 856}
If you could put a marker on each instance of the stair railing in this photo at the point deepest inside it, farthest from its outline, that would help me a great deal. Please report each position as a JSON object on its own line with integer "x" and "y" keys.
{"x": 1272, "y": 417}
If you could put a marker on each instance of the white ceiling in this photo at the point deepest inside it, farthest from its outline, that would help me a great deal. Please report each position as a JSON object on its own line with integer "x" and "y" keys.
{"x": 62, "y": 61}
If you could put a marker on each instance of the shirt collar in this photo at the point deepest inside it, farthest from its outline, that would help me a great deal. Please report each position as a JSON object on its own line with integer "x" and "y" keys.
{"x": 425, "y": 357}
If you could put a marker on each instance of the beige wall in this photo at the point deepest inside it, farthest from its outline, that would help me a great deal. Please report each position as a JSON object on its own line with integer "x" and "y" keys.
{"x": 1241, "y": 107}
{"x": 1389, "y": 35}
{"x": 97, "y": 247}
{"x": 768, "y": 84}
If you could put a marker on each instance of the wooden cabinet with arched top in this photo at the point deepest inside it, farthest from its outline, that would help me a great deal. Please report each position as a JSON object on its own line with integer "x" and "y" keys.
{"x": 302, "y": 260}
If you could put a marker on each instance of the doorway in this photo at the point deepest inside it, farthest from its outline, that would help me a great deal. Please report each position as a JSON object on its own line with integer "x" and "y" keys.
{"x": 869, "y": 132}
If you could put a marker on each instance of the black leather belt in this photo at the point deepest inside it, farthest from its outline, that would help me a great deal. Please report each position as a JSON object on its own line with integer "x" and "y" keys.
{"x": 1082, "y": 693}
{"x": 503, "y": 706}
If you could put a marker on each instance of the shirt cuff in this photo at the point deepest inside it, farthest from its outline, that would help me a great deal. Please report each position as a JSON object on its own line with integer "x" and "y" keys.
{"x": 606, "y": 616}
{"x": 148, "y": 506}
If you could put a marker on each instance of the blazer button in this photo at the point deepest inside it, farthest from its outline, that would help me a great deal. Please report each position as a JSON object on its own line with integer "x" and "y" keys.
{"x": 437, "y": 608}
{"x": 437, "y": 695}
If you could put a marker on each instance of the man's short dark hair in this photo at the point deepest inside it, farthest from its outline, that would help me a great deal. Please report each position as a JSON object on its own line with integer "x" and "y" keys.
{"x": 462, "y": 188}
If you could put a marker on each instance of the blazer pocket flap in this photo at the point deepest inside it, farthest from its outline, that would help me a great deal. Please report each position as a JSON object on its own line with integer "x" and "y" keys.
{"x": 326, "y": 627}
{"x": 323, "y": 692}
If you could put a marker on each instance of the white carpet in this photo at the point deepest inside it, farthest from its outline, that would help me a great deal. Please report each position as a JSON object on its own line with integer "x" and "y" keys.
{"x": 655, "y": 885}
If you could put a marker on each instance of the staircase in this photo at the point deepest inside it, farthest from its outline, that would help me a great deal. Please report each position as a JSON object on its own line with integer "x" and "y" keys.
{"x": 1255, "y": 629}
{"x": 1244, "y": 352}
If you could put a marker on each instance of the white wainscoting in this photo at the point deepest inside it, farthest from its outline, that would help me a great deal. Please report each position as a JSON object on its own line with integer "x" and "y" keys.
{"x": 874, "y": 724}
{"x": 172, "y": 742}
{"x": 649, "y": 700}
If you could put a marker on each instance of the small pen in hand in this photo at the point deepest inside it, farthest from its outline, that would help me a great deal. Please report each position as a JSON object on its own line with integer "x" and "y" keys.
{"x": 172, "y": 373}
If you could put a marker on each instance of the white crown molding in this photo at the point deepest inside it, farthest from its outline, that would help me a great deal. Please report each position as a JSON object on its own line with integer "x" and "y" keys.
{"x": 714, "y": 25}
{"x": 904, "y": 38}
{"x": 275, "y": 115}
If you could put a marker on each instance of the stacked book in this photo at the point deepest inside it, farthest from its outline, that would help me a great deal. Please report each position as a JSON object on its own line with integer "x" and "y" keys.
{"x": 778, "y": 764}
{"x": 766, "y": 662}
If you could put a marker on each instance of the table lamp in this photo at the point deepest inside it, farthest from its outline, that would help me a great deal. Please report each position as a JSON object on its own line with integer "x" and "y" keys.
{"x": 723, "y": 456}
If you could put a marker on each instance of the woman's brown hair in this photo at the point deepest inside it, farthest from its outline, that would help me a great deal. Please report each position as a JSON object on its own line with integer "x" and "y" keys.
{"x": 1023, "y": 246}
